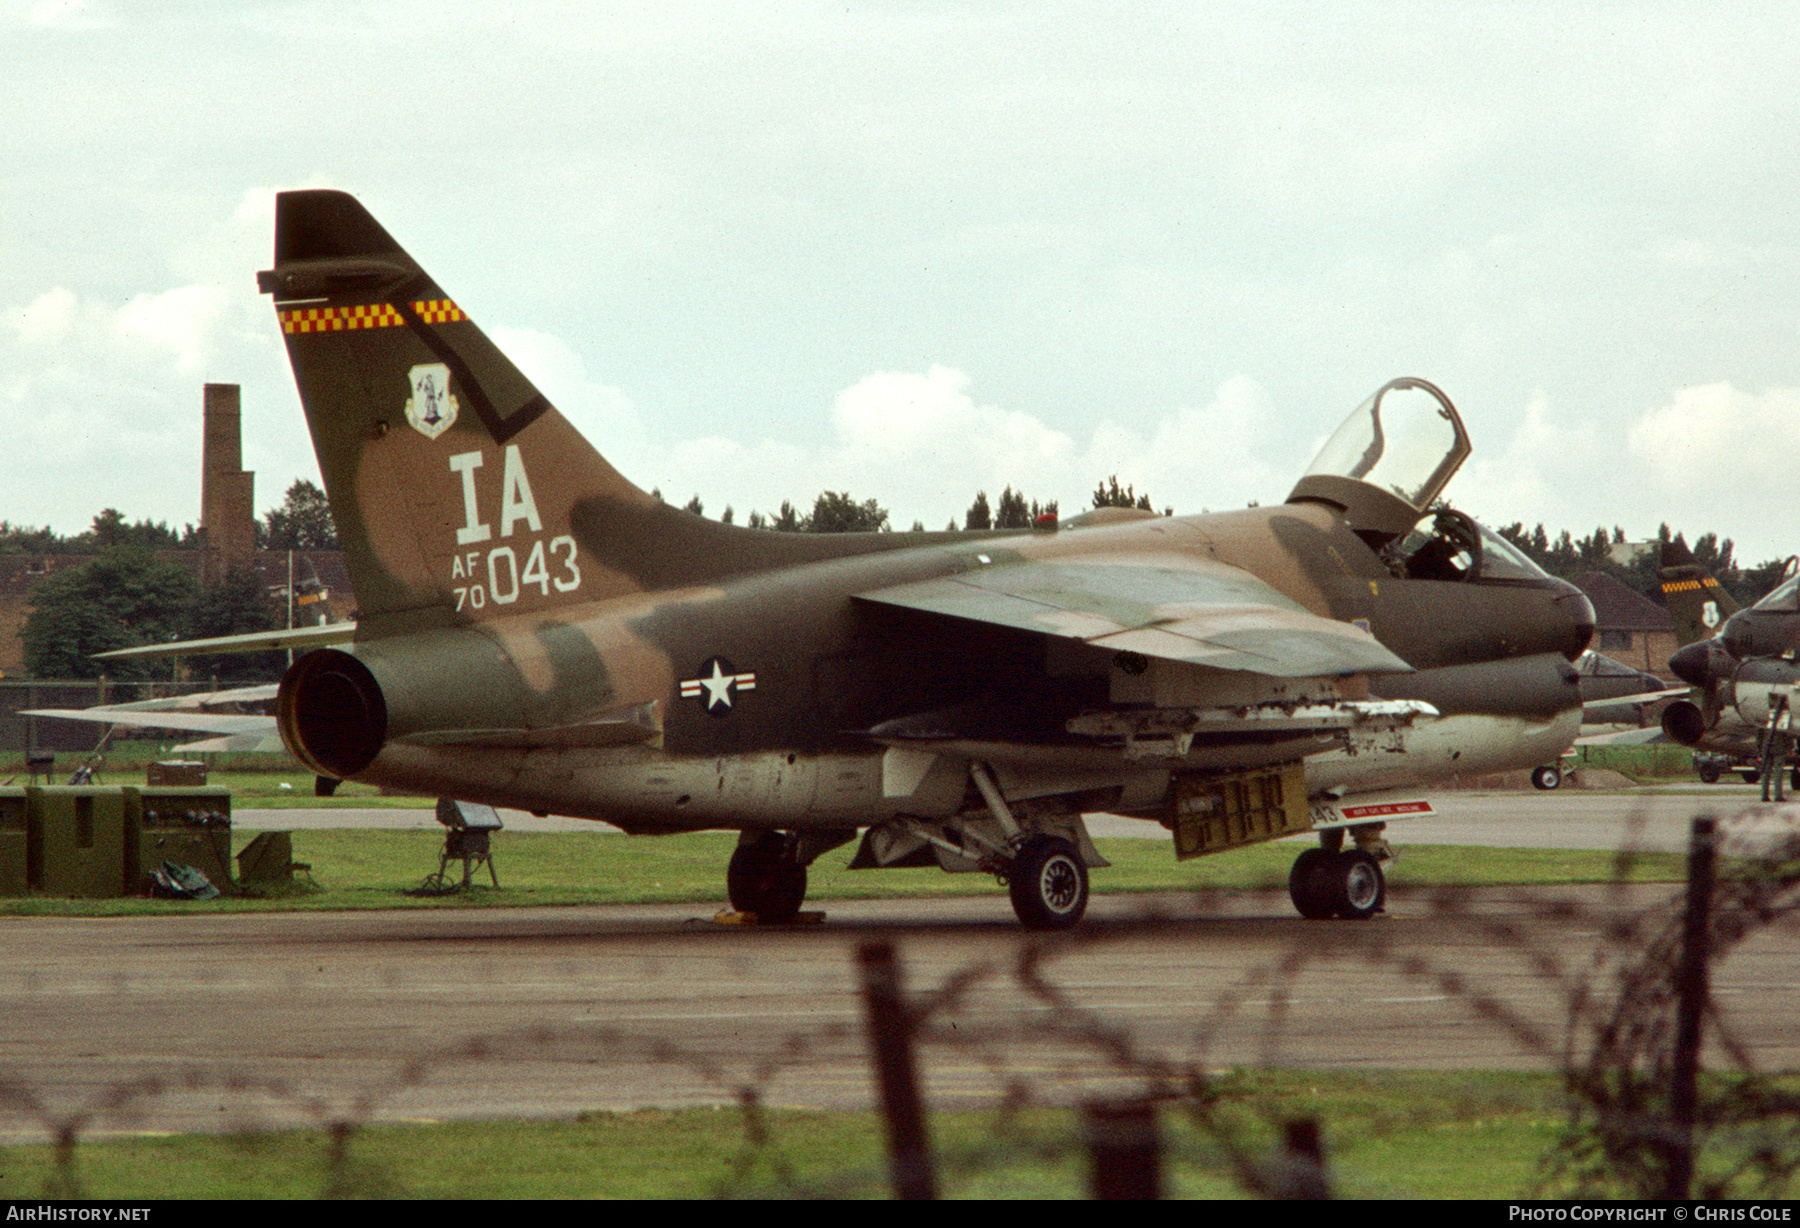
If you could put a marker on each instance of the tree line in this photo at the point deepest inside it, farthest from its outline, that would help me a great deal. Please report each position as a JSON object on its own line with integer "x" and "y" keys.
{"x": 134, "y": 591}
{"x": 837, "y": 511}
{"x": 1566, "y": 556}
{"x": 301, "y": 522}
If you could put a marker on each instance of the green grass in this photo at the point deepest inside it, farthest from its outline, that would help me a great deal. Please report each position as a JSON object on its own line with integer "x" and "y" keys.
{"x": 372, "y": 869}
{"x": 1388, "y": 1134}
{"x": 1642, "y": 764}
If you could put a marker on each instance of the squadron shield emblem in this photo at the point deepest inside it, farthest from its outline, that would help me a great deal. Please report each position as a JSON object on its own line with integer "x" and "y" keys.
{"x": 431, "y": 408}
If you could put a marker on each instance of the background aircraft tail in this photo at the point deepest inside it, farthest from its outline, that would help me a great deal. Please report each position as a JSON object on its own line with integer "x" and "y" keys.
{"x": 1697, "y": 603}
{"x": 460, "y": 493}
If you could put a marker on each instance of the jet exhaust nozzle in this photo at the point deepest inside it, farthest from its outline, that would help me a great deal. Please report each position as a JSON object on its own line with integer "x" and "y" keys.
{"x": 1684, "y": 722}
{"x": 331, "y": 713}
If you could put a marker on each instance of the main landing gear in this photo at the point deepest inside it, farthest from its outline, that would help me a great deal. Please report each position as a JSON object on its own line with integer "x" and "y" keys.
{"x": 1048, "y": 884}
{"x": 766, "y": 877}
{"x": 1333, "y": 881}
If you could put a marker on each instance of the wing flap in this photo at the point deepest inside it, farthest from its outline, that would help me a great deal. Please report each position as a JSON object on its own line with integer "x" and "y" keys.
{"x": 1168, "y": 606}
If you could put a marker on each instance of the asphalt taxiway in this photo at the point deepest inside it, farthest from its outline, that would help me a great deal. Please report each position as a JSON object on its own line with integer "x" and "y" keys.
{"x": 212, "y": 1022}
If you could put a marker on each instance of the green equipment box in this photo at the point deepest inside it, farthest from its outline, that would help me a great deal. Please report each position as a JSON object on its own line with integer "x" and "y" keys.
{"x": 15, "y": 840}
{"x": 190, "y": 826}
{"x": 99, "y": 841}
{"x": 78, "y": 845}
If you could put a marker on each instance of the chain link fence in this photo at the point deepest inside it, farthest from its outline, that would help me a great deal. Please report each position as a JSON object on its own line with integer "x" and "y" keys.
{"x": 1642, "y": 1120}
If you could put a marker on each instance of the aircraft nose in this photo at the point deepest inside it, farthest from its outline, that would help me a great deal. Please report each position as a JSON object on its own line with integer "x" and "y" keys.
{"x": 1576, "y": 607}
{"x": 1734, "y": 636}
{"x": 1693, "y": 664}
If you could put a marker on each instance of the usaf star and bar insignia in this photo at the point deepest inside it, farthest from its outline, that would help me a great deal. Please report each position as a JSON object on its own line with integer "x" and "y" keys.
{"x": 718, "y": 682}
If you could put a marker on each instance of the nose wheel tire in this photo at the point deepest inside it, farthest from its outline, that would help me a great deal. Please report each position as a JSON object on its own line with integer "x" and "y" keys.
{"x": 765, "y": 880}
{"x": 1048, "y": 884}
{"x": 1348, "y": 884}
{"x": 1546, "y": 777}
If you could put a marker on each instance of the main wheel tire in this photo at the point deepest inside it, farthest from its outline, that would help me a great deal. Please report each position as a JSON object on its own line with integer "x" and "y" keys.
{"x": 1547, "y": 777}
{"x": 1751, "y": 776}
{"x": 1358, "y": 888}
{"x": 1308, "y": 887}
{"x": 1048, "y": 884}
{"x": 762, "y": 879}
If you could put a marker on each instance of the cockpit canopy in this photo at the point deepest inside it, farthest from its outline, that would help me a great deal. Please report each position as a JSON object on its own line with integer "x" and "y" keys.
{"x": 1389, "y": 460}
{"x": 1385, "y": 467}
{"x": 1784, "y": 597}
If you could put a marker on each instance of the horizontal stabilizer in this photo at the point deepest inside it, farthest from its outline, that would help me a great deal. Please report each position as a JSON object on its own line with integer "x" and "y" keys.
{"x": 1169, "y": 606}
{"x": 298, "y": 638}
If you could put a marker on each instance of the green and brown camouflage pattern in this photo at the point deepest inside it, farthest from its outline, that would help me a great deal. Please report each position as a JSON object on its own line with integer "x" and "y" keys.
{"x": 536, "y": 631}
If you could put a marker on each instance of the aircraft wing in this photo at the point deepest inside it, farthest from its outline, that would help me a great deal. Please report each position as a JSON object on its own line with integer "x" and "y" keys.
{"x": 178, "y": 711}
{"x": 261, "y": 693}
{"x": 1169, "y": 606}
{"x": 265, "y": 743}
{"x": 299, "y": 638}
{"x": 1625, "y": 737}
{"x": 202, "y": 722}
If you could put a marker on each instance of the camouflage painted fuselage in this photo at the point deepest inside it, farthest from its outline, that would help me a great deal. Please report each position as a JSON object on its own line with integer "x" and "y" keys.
{"x": 537, "y": 632}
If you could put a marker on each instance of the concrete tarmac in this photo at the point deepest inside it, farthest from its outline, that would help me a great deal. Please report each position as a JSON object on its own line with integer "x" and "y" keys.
{"x": 216, "y": 1022}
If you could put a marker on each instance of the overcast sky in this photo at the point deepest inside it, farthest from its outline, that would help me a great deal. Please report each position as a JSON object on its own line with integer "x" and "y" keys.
{"x": 915, "y": 250}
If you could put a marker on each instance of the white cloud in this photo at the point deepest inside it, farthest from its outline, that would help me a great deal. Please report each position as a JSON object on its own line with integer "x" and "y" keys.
{"x": 66, "y": 14}
{"x": 923, "y": 446}
{"x": 1531, "y": 476}
{"x": 1717, "y": 436}
{"x": 895, "y": 417}
{"x": 602, "y": 413}
{"x": 47, "y": 319}
{"x": 182, "y": 321}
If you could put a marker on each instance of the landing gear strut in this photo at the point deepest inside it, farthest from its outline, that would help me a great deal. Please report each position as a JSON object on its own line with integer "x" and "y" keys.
{"x": 1346, "y": 883}
{"x": 766, "y": 877}
{"x": 1048, "y": 884}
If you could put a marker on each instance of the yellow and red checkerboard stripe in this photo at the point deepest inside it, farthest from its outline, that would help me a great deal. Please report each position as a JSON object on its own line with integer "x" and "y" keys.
{"x": 1688, "y": 586}
{"x": 365, "y": 315}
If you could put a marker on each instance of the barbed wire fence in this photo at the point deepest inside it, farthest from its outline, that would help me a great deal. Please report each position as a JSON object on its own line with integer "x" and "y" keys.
{"x": 1642, "y": 1120}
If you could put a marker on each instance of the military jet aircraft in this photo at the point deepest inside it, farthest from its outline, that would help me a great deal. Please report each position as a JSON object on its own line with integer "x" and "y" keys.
{"x": 1616, "y": 699}
{"x": 537, "y": 632}
{"x": 1744, "y": 677}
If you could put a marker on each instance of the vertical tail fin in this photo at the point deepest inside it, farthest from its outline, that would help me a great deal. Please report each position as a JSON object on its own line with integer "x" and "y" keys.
{"x": 460, "y": 494}
{"x": 1697, "y": 603}
{"x": 455, "y": 485}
